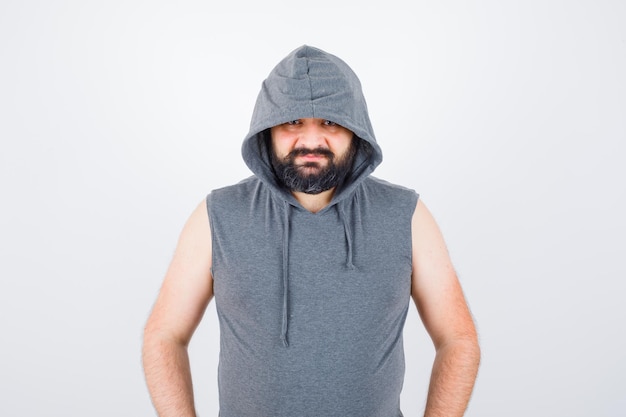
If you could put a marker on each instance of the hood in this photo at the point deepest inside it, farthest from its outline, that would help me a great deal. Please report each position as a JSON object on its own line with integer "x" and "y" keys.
{"x": 311, "y": 83}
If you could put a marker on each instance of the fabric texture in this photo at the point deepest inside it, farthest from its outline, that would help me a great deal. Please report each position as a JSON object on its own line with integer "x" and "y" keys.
{"x": 311, "y": 305}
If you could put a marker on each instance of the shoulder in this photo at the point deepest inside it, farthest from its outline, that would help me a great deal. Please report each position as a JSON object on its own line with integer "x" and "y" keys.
{"x": 380, "y": 185}
{"x": 389, "y": 192}
{"x": 235, "y": 193}
{"x": 240, "y": 187}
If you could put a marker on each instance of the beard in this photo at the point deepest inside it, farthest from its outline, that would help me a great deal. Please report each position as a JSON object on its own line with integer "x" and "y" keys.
{"x": 313, "y": 177}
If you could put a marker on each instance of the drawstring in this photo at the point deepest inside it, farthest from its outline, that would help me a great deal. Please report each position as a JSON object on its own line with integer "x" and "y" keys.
{"x": 349, "y": 262}
{"x": 285, "y": 273}
{"x": 348, "y": 232}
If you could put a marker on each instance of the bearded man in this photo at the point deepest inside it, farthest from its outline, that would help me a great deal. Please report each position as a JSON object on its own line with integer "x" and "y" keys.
{"x": 312, "y": 262}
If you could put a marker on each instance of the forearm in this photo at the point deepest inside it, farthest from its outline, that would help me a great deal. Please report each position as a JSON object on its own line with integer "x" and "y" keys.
{"x": 452, "y": 380}
{"x": 168, "y": 375}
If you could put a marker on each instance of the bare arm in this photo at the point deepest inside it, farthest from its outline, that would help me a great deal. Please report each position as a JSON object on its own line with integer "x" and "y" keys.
{"x": 439, "y": 299}
{"x": 186, "y": 291}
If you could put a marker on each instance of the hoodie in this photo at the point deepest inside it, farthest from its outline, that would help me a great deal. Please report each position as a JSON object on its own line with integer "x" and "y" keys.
{"x": 311, "y": 305}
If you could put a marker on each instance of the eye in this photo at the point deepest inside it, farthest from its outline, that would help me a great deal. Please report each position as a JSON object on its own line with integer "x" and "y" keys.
{"x": 293, "y": 122}
{"x": 329, "y": 123}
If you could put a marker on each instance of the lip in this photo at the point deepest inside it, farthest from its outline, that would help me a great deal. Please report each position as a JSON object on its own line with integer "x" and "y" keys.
{"x": 312, "y": 157}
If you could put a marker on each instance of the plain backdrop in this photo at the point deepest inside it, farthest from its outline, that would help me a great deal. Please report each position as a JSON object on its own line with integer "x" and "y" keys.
{"x": 508, "y": 117}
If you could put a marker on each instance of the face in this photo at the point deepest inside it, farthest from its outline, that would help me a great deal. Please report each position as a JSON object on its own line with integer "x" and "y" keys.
{"x": 312, "y": 155}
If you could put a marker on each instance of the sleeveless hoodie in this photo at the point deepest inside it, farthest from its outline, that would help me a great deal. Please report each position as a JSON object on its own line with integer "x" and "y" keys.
{"x": 311, "y": 306}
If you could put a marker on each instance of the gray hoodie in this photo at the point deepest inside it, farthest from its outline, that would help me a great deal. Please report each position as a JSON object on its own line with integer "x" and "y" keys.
{"x": 311, "y": 305}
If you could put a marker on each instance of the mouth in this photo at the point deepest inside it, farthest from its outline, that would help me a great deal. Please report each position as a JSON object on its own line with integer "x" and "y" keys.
{"x": 311, "y": 153}
{"x": 312, "y": 157}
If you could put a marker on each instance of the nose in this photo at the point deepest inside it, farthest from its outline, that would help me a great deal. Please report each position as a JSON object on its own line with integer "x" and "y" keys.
{"x": 311, "y": 136}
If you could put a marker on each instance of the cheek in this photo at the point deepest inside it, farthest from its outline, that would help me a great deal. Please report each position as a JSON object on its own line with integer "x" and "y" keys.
{"x": 343, "y": 145}
{"x": 281, "y": 145}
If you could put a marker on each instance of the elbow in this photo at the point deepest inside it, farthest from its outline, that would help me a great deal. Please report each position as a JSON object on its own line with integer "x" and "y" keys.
{"x": 153, "y": 340}
{"x": 150, "y": 343}
{"x": 472, "y": 352}
{"x": 471, "y": 346}
{"x": 475, "y": 352}
{"x": 149, "y": 333}
{"x": 158, "y": 339}
{"x": 465, "y": 348}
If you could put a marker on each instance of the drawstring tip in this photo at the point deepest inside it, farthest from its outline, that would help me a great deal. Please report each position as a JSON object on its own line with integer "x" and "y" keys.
{"x": 350, "y": 266}
{"x": 285, "y": 342}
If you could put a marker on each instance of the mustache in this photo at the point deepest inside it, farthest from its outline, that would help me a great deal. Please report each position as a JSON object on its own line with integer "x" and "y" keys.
{"x": 306, "y": 151}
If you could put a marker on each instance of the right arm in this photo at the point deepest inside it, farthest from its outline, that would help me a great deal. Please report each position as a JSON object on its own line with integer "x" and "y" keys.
{"x": 185, "y": 293}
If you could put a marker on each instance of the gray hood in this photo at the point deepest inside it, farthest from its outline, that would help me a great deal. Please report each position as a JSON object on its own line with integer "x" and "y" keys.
{"x": 311, "y": 83}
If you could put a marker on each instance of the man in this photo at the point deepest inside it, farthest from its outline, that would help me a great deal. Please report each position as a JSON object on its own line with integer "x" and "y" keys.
{"x": 312, "y": 262}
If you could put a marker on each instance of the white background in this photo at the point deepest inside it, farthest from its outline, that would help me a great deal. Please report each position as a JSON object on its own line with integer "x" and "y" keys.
{"x": 118, "y": 117}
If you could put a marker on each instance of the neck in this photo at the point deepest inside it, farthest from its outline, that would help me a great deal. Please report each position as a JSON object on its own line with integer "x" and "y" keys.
{"x": 314, "y": 202}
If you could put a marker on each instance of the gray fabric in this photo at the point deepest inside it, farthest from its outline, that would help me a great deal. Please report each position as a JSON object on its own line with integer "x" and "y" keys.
{"x": 311, "y": 306}
{"x": 310, "y": 83}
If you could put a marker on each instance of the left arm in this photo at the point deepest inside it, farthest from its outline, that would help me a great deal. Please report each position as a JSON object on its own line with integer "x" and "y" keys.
{"x": 439, "y": 298}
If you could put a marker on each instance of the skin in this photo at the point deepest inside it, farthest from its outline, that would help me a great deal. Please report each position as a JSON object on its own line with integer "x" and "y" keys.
{"x": 186, "y": 291}
{"x": 439, "y": 299}
{"x": 188, "y": 288}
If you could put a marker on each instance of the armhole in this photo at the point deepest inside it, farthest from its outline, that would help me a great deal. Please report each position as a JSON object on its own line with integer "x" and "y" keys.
{"x": 415, "y": 199}
{"x": 210, "y": 220}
